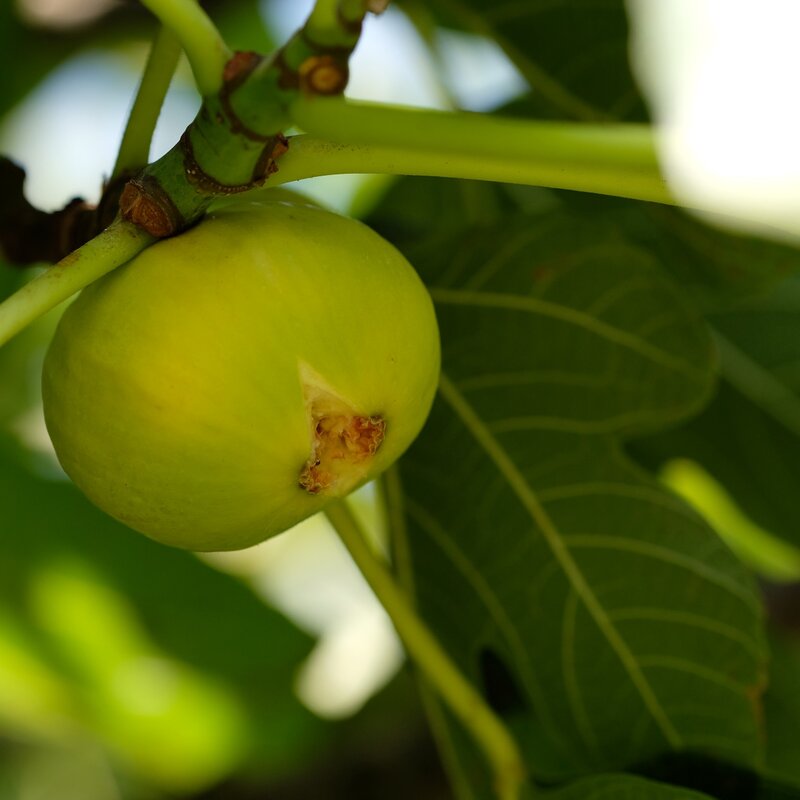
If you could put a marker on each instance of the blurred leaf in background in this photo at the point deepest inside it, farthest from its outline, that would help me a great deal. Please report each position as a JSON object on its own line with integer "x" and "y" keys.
{"x": 182, "y": 672}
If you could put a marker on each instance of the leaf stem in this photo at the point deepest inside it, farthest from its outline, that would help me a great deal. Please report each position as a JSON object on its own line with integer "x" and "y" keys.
{"x": 393, "y": 503}
{"x": 119, "y": 243}
{"x": 466, "y": 703}
{"x": 346, "y": 137}
{"x": 199, "y": 38}
{"x": 134, "y": 150}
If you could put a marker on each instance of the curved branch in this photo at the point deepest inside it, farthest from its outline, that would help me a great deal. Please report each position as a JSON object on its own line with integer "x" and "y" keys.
{"x": 134, "y": 150}
{"x": 199, "y": 38}
{"x": 618, "y": 160}
{"x": 116, "y": 245}
{"x": 464, "y": 701}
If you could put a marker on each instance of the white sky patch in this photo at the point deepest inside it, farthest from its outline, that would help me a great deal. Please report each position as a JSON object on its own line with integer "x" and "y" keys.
{"x": 478, "y": 74}
{"x": 350, "y": 663}
{"x": 391, "y": 63}
{"x": 67, "y": 131}
{"x": 721, "y": 76}
{"x": 308, "y": 575}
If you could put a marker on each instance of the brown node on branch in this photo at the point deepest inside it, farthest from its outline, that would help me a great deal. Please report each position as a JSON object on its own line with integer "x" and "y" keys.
{"x": 144, "y": 203}
{"x": 239, "y": 66}
{"x": 276, "y": 145}
{"x": 267, "y": 164}
{"x": 29, "y": 235}
{"x": 237, "y": 71}
{"x": 323, "y": 75}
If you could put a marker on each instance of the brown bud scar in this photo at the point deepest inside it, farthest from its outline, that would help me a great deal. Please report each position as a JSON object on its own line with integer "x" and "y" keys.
{"x": 343, "y": 442}
{"x": 323, "y": 75}
{"x": 348, "y": 440}
{"x": 267, "y": 163}
{"x": 144, "y": 203}
{"x": 265, "y": 166}
{"x": 240, "y": 65}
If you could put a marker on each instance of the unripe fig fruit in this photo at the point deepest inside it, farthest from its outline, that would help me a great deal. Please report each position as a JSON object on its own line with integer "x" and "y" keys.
{"x": 231, "y": 381}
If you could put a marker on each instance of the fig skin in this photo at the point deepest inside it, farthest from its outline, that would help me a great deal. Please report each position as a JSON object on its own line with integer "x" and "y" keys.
{"x": 184, "y": 392}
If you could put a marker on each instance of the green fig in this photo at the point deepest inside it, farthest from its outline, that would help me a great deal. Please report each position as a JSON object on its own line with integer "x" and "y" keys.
{"x": 231, "y": 381}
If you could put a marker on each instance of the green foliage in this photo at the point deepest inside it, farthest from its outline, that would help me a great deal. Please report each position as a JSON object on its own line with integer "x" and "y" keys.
{"x": 589, "y": 79}
{"x": 749, "y": 437}
{"x": 504, "y": 563}
{"x": 586, "y": 342}
{"x": 84, "y": 601}
{"x": 621, "y": 787}
{"x": 623, "y": 623}
{"x": 782, "y": 709}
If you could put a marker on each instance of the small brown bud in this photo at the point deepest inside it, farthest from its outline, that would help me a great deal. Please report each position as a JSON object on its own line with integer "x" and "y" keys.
{"x": 323, "y": 75}
{"x": 240, "y": 65}
{"x": 144, "y": 203}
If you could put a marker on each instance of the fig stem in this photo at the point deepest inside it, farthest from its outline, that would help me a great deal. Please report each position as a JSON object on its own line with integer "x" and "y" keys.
{"x": 466, "y": 703}
{"x": 347, "y": 137}
{"x": 201, "y": 41}
{"x": 116, "y": 245}
{"x": 134, "y": 150}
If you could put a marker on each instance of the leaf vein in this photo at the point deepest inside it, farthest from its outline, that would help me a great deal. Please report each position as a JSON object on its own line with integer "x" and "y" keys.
{"x": 611, "y": 424}
{"x": 582, "y": 721}
{"x": 660, "y": 553}
{"x": 580, "y": 319}
{"x": 632, "y": 492}
{"x": 642, "y": 613}
{"x": 690, "y": 668}
{"x": 555, "y": 541}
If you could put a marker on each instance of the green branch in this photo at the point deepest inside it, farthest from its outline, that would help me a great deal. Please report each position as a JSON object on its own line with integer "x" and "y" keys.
{"x": 134, "y": 150}
{"x": 613, "y": 159}
{"x": 391, "y": 491}
{"x": 231, "y": 146}
{"x": 617, "y": 160}
{"x": 464, "y": 701}
{"x": 119, "y": 243}
{"x": 199, "y": 38}
{"x": 234, "y": 142}
{"x": 335, "y": 23}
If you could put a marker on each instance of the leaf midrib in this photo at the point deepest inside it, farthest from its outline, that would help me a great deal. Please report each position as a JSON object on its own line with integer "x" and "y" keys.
{"x": 554, "y": 540}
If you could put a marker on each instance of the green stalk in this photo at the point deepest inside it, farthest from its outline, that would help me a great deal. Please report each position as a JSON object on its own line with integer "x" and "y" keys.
{"x": 199, "y": 38}
{"x": 464, "y": 701}
{"x": 616, "y": 160}
{"x": 233, "y": 144}
{"x": 116, "y": 245}
{"x": 324, "y": 24}
{"x": 134, "y": 150}
{"x": 393, "y": 504}
{"x": 612, "y": 159}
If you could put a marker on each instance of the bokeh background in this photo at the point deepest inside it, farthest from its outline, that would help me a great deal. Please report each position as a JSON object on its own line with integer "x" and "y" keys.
{"x": 129, "y": 670}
